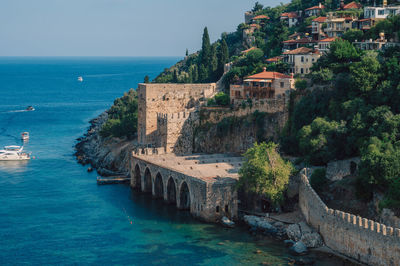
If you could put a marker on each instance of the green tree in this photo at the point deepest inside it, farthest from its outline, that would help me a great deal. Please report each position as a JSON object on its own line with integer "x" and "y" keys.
{"x": 353, "y": 35}
{"x": 146, "y": 79}
{"x": 365, "y": 74}
{"x": 205, "y": 53}
{"x": 257, "y": 7}
{"x": 223, "y": 56}
{"x": 175, "y": 78}
{"x": 301, "y": 84}
{"x": 265, "y": 172}
{"x": 187, "y": 52}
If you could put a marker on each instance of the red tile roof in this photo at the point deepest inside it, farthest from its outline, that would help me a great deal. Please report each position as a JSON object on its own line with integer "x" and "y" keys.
{"x": 319, "y": 19}
{"x": 316, "y": 7}
{"x": 329, "y": 39}
{"x": 289, "y": 15}
{"x": 301, "y": 50}
{"x": 302, "y": 40}
{"x": 268, "y": 75}
{"x": 248, "y": 50}
{"x": 352, "y": 5}
{"x": 261, "y": 17}
{"x": 274, "y": 59}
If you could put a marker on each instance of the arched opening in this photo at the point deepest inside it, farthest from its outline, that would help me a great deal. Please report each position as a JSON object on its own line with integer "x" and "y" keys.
{"x": 158, "y": 186}
{"x": 137, "y": 178}
{"x": 184, "y": 197}
{"x": 171, "y": 191}
{"x": 147, "y": 181}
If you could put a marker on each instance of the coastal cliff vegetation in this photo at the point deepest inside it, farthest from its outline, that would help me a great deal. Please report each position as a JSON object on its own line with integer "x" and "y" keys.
{"x": 122, "y": 117}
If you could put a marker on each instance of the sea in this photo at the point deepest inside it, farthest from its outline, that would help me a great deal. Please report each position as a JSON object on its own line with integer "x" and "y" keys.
{"x": 51, "y": 209}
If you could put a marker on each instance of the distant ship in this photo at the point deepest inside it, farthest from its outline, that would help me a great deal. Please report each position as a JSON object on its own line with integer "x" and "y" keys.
{"x": 25, "y": 136}
{"x": 80, "y": 79}
{"x": 30, "y": 108}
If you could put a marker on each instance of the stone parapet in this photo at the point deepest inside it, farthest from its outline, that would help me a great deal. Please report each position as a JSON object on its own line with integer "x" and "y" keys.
{"x": 357, "y": 237}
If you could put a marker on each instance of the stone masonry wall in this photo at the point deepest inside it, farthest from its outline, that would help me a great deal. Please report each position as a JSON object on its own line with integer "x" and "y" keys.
{"x": 336, "y": 170}
{"x": 362, "y": 239}
{"x": 166, "y": 98}
{"x": 216, "y": 114}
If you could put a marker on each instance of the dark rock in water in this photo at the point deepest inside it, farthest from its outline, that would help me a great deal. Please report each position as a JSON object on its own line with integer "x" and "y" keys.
{"x": 305, "y": 261}
{"x": 90, "y": 169}
{"x": 298, "y": 248}
{"x": 289, "y": 243}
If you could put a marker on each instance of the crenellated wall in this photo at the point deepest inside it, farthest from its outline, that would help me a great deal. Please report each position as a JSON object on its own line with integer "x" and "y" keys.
{"x": 362, "y": 239}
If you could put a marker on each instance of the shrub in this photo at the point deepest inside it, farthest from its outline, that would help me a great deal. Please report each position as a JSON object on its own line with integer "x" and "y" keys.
{"x": 265, "y": 172}
{"x": 318, "y": 179}
{"x": 301, "y": 84}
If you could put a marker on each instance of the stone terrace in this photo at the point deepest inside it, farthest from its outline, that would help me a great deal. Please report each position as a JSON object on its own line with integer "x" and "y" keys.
{"x": 203, "y": 184}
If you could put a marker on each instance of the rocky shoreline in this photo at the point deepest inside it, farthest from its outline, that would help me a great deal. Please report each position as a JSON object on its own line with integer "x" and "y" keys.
{"x": 109, "y": 156}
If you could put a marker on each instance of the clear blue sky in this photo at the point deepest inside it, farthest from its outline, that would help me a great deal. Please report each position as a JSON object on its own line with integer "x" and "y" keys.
{"x": 114, "y": 27}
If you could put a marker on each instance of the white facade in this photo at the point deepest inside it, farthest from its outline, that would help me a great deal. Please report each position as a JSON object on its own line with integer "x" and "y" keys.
{"x": 381, "y": 12}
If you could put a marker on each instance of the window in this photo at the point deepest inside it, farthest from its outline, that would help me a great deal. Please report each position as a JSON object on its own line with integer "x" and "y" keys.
{"x": 282, "y": 84}
{"x": 381, "y": 12}
{"x": 302, "y": 71}
{"x": 217, "y": 209}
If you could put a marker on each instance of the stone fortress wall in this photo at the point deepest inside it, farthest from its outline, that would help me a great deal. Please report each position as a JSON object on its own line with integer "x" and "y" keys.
{"x": 155, "y": 99}
{"x": 362, "y": 239}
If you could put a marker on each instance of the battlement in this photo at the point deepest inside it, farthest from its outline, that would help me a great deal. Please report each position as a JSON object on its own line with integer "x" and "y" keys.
{"x": 360, "y": 238}
{"x": 163, "y": 118}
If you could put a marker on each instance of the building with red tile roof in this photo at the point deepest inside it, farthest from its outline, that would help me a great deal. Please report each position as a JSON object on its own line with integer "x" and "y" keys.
{"x": 291, "y": 17}
{"x": 316, "y": 28}
{"x": 351, "y": 5}
{"x": 301, "y": 59}
{"x": 301, "y": 42}
{"x": 274, "y": 59}
{"x": 325, "y": 44}
{"x": 314, "y": 10}
{"x": 263, "y": 85}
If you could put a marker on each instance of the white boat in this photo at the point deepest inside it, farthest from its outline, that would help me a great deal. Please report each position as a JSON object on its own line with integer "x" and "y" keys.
{"x": 14, "y": 153}
{"x": 25, "y": 136}
{"x": 30, "y": 108}
{"x": 80, "y": 79}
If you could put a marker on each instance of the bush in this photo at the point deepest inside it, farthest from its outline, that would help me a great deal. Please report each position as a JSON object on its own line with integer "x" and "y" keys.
{"x": 220, "y": 99}
{"x": 265, "y": 172}
{"x": 300, "y": 84}
{"x": 318, "y": 179}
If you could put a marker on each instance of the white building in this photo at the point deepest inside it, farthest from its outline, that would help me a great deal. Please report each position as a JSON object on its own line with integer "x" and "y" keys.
{"x": 301, "y": 59}
{"x": 381, "y": 12}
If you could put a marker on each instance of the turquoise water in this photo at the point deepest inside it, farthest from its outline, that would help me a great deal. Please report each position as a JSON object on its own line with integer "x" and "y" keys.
{"x": 52, "y": 211}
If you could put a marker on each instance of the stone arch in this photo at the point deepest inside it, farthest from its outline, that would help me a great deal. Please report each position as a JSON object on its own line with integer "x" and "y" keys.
{"x": 171, "y": 191}
{"x": 137, "y": 178}
{"x": 184, "y": 197}
{"x": 147, "y": 181}
{"x": 158, "y": 186}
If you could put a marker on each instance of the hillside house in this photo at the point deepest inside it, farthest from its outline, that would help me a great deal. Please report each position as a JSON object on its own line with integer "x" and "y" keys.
{"x": 301, "y": 59}
{"x": 351, "y": 5}
{"x": 275, "y": 59}
{"x": 264, "y": 85}
{"x": 300, "y": 42}
{"x": 337, "y": 25}
{"x": 381, "y": 12}
{"x": 365, "y": 24}
{"x": 325, "y": 44}
{"x": 260, "y": 19}
{"x": 317, "y": 29}
{"x": 291, "y": 17}
{"x": 378, "y": 44}
{"x": 314, "y": 11}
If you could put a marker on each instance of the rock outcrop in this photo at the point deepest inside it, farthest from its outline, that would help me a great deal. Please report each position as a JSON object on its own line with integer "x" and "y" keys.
{"x": 109, "y": 156}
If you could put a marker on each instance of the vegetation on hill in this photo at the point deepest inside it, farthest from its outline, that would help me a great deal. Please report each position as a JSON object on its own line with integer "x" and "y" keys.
{"x": 122, "y": 117}
{"x": 265, "y": 172}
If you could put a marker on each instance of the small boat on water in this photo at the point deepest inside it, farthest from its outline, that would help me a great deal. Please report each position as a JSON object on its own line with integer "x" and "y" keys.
{"x": 25, "y": 136}
{"x": 80, "y": 79}
{"x": 14, "y": 153}
{"x": 30, "y": 108}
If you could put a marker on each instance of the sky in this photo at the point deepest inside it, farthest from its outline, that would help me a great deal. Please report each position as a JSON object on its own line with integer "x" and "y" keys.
{"x": 115, "y": 27}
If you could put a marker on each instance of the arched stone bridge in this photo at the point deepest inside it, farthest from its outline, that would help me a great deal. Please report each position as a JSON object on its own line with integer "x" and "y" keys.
{"x": 202, "y": 184}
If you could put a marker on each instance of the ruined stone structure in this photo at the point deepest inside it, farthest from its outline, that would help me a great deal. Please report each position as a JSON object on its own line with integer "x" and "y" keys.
{"x": 202, "y": 184}
{"x": 336, "y": 170}
{"x": 165, "y": 109}
{"x": 359, "y": 238}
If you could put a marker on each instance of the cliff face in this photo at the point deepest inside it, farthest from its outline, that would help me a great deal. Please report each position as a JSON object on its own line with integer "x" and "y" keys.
{"x": 237, "y": 134}
{"x": 110, "y": 156}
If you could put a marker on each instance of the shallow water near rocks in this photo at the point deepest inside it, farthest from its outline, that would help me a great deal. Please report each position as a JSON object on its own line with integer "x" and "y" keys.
{"x": 52, "y": 211}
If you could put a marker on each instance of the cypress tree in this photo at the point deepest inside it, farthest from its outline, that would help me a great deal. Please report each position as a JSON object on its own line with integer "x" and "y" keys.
{"x": 203, "y": 73}
{"x": 214, "y": 63}
{"x": 146, "y": 79}
{"x": 175, "y": 78}
{"x": 223, "y": 56}
{"x": 205, "y": 56}
{"x": 187, "y": 52}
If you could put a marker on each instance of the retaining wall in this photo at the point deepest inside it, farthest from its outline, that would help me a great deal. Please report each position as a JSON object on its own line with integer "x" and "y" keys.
{"x": 359, "y": 238}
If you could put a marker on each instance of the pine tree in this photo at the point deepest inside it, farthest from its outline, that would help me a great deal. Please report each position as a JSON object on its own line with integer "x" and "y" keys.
{"x": 223, "y": 56}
